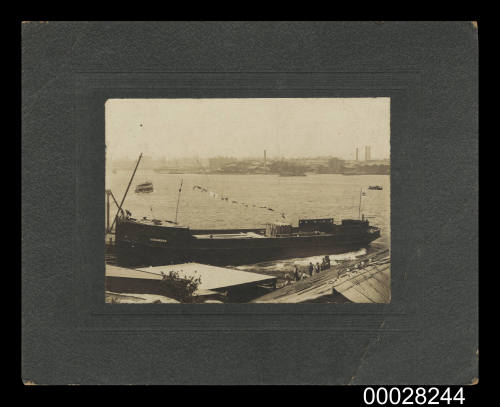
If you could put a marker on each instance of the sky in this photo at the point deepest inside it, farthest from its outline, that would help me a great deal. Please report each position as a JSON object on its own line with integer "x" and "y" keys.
{"x": 284, "y": 127}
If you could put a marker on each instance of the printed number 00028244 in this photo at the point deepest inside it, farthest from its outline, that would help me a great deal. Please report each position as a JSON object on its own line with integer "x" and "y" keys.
{"x": 412, "y": 396}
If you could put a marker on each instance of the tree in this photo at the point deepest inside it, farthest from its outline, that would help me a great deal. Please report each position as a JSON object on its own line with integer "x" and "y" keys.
{"x": 181, "y": 289}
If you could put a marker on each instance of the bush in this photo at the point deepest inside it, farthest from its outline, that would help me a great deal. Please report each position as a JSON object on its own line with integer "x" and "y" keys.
{"x": 181, "y": 289}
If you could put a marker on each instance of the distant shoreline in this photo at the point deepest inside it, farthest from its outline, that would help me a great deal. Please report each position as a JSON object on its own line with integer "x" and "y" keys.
{"x": 247, "y": 173}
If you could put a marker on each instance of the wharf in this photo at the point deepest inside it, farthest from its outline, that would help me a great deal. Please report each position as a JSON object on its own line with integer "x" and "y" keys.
{"x": 348, "y": 282}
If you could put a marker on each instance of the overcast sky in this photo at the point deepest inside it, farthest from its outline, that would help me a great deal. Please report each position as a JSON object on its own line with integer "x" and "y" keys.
{"x": 177, "y": 128}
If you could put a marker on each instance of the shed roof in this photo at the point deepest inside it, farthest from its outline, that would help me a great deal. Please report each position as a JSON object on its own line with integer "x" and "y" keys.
{"x": 212, "y": 277}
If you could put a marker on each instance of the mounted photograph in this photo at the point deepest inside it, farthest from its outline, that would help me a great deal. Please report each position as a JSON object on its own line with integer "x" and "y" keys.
{"x": 248, "y": 200}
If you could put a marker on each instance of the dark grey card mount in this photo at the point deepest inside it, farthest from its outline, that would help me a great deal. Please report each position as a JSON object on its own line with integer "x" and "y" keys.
{"x": 72, "y": 336}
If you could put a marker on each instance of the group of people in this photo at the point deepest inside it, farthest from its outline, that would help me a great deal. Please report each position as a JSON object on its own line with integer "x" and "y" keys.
{"x": 311, "y": 270}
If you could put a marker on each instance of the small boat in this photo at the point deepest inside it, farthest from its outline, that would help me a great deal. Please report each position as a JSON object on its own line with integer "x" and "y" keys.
{"x": 166, "y": 170}
{"x": 377, "y": 187}
{"x": 292, "y": 174}
{"x": 145, "y": 187}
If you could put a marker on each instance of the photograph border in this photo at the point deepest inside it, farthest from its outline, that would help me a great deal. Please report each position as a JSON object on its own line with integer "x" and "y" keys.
{"x": 95, "y": 88}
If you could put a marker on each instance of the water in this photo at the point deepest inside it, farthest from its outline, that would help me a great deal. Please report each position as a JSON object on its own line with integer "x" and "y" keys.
{"x": 313, "y": 196}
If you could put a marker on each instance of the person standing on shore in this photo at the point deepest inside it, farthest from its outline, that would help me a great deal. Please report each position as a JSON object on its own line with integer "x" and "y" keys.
{"x": 327, "y": 261}
{"x": 318, "y": 268}
{"x": 311, "y": 269}
{"x": 296, "y": 273}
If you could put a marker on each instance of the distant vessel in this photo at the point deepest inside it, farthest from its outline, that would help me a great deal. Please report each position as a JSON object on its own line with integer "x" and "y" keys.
{"x": 377, "y": 187}
{"x": 167, "y": 170}
{"x": 292, "y": 174}
{"x": 144, "y": 187}
{"x": 367, "y": 170}
{"x": 350, "y": 172}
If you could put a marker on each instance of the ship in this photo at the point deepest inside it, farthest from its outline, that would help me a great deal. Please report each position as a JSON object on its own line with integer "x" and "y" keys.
{"x": 375, "y": 187}
{"x": 149, "y": 242}
{"x": 144, "y": 187}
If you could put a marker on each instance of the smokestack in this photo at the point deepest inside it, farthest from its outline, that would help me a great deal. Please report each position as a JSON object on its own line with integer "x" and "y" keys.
{"x": 357, "y": 150}
{"x": 366, "y": 153}
{"x": 369, "y": 153}
{"x": 264, "y": 158}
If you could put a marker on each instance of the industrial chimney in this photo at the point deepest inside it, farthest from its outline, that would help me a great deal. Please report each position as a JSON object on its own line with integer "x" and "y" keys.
{"x": 357, "y": 150}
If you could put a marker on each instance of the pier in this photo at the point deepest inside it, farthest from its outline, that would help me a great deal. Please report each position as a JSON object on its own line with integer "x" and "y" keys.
{"x": 364, "y": 280}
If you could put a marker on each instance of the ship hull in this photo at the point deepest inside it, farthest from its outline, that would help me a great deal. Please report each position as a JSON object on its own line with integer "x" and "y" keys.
{"x": 236, "y": 252}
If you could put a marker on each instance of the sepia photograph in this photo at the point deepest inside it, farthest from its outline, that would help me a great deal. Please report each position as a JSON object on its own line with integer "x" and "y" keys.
{"x": 250, "y": 200}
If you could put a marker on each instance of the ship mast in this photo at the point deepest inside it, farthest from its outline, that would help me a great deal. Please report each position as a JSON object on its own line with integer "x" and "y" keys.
{"x": 178, "y": 199}
{"x": 360, "y": 196}
{"x": 126, "y": 191}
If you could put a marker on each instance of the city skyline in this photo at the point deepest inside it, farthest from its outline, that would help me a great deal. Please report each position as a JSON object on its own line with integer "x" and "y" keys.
{"x": 243, "y": 158}
{"x": 244, "y": 128}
